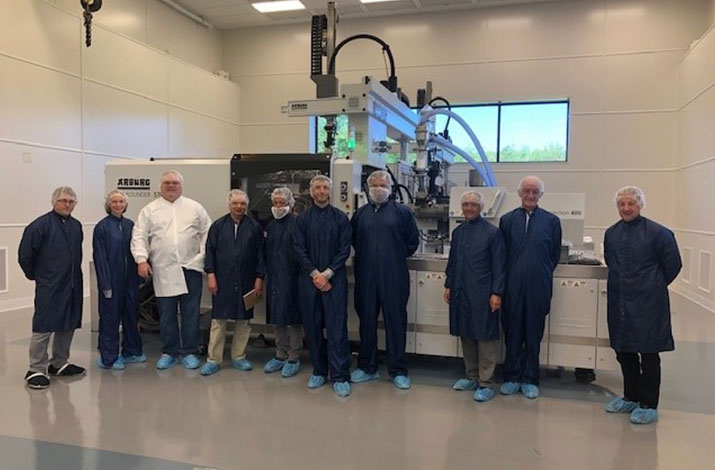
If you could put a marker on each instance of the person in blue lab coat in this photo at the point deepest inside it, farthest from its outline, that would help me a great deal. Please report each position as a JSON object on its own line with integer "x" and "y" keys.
{"x": 532, "y": 237}
{"x": 384, "y": 235}
{"x": 473, "y": 288}
{"x": 235, "y": 266}
{"x": 50, "y": 253}
{"x": 322, "y": 245}
{"x": 118, "y": 285}
{"x": 643, "y": 259}
{"x": 282, "y": 286}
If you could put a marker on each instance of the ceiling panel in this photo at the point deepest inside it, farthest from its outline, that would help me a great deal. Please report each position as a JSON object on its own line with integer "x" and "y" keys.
{"x": 228, "y": 14}
{"x": 349, "y": 10}
{"x": 441, "y": 3}
{"x": 399, "y": 5}
{"x": 289, "y": 15}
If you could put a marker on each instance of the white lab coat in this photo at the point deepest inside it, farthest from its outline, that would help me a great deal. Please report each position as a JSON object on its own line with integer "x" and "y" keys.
{"x": 171, "y": 236}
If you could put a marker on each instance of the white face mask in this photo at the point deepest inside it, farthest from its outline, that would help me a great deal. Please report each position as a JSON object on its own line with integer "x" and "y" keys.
{"x": 379, "y": 195}
{"x": 280, "y": 212}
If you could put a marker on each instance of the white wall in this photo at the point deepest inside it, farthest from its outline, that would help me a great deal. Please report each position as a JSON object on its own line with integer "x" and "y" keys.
{"x": 153, "y": 23}
{"x": 65, "y": 110}
{"x": 616, "y": 60}
{"x": 695, "y": 174}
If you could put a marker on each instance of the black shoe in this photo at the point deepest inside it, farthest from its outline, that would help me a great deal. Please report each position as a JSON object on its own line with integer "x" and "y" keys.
{"x": 585, "y": 375}
{"x": 37, "y": 380}
{"x": 67, "y": 370}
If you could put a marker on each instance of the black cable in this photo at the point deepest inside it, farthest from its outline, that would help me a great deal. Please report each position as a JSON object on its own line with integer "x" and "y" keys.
{"x": 385, "y": 47}
{"x": 439, "y": 98}
{"x": 366, "y": 190}
{"x": 409, "y": 194}
{"x": 449, "y": 107}
{"x": 395, "y": 185}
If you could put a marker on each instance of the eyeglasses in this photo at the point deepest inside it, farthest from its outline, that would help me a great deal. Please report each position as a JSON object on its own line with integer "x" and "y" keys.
{"x": 531, "y": 192}
{"x": 171, "y": 183}
{"x": 67, "y": 202}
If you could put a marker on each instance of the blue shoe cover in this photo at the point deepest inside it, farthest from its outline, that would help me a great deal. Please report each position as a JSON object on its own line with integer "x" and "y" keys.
{"x": 117, "y": 365}
{"x": 464, "y": 384}
{"x": 290, "y": 368}
{"x": 242, "y": 364}
{"x": 134, "y": 359}
{"x": 316, "y": 381}
{"x": 341, "y": 389}
{"x": 644, "y": 415}
{"x": 359, "y": 376}
{"x": 509, "y": 388}
{"x": 530, "y": 391}
{"x": 190, "y": 361}
{"x": 483, "y": 394}
{"x": 274, "y": 365}
{"x": 620, "y": 405}
{"x": 402, "y": 382}
{"x": 210, "y": 368}
{"x": 165, "y": 362}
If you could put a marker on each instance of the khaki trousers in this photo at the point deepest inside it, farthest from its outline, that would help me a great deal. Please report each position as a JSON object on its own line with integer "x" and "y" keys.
{"x": 289, "y": 342}
{"x": 480, "y": 360}
{"x": 217, "y": 340}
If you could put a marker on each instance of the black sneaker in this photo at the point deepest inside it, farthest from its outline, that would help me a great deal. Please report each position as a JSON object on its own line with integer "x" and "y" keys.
{"x": 37, "y": 380}
{"x": 66, "y": 370}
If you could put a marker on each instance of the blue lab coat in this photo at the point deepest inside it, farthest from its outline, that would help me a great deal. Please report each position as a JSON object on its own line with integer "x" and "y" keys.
{"x": 322, "y": 240}
{"x": 236, "y": 262}
{"x": 384, "y": 236}
{"x": 116, "y": 271}
{"x": 50, "y": 254}
{"x": 643, "y": 259}
{"x": 532, "y": 255}
{"x": 282, "y": 273}
{"x": 475, "y": 271}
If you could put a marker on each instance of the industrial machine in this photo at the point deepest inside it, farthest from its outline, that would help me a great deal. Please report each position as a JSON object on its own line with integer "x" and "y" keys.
{"x": 576, "y": 333}
{"x": 381, "y": 122}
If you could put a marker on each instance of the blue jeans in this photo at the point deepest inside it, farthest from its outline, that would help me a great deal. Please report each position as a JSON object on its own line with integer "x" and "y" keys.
{"x": 169, "y": 322}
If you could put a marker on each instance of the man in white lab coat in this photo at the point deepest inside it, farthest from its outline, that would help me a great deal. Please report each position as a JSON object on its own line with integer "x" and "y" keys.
{"x": 168, "y": 243}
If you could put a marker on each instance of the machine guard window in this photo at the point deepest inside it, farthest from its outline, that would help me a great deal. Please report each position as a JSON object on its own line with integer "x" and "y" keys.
{"x": 509, "y": 132}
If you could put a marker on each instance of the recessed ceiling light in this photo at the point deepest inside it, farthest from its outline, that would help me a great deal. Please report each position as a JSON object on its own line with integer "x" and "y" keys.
{"x": 376, "y": 1}
{"x": 282, "y": 5}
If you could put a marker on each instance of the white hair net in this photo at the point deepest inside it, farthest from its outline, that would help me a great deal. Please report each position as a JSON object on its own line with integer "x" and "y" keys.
{"x": 320, "y": 178}
{"x": 631, "y": 191}
{"x": 379, "y": 174}
{"x": 285, "y": 193}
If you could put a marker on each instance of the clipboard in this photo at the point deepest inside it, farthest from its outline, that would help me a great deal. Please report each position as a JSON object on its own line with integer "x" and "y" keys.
{"x": 250, "y": 299}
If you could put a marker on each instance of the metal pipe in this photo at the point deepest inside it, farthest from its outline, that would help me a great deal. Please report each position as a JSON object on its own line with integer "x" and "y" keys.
{"x": 187, "y": 13}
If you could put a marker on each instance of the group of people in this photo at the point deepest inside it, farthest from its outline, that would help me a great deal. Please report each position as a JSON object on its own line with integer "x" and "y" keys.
{"x": 493, "y": 273}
